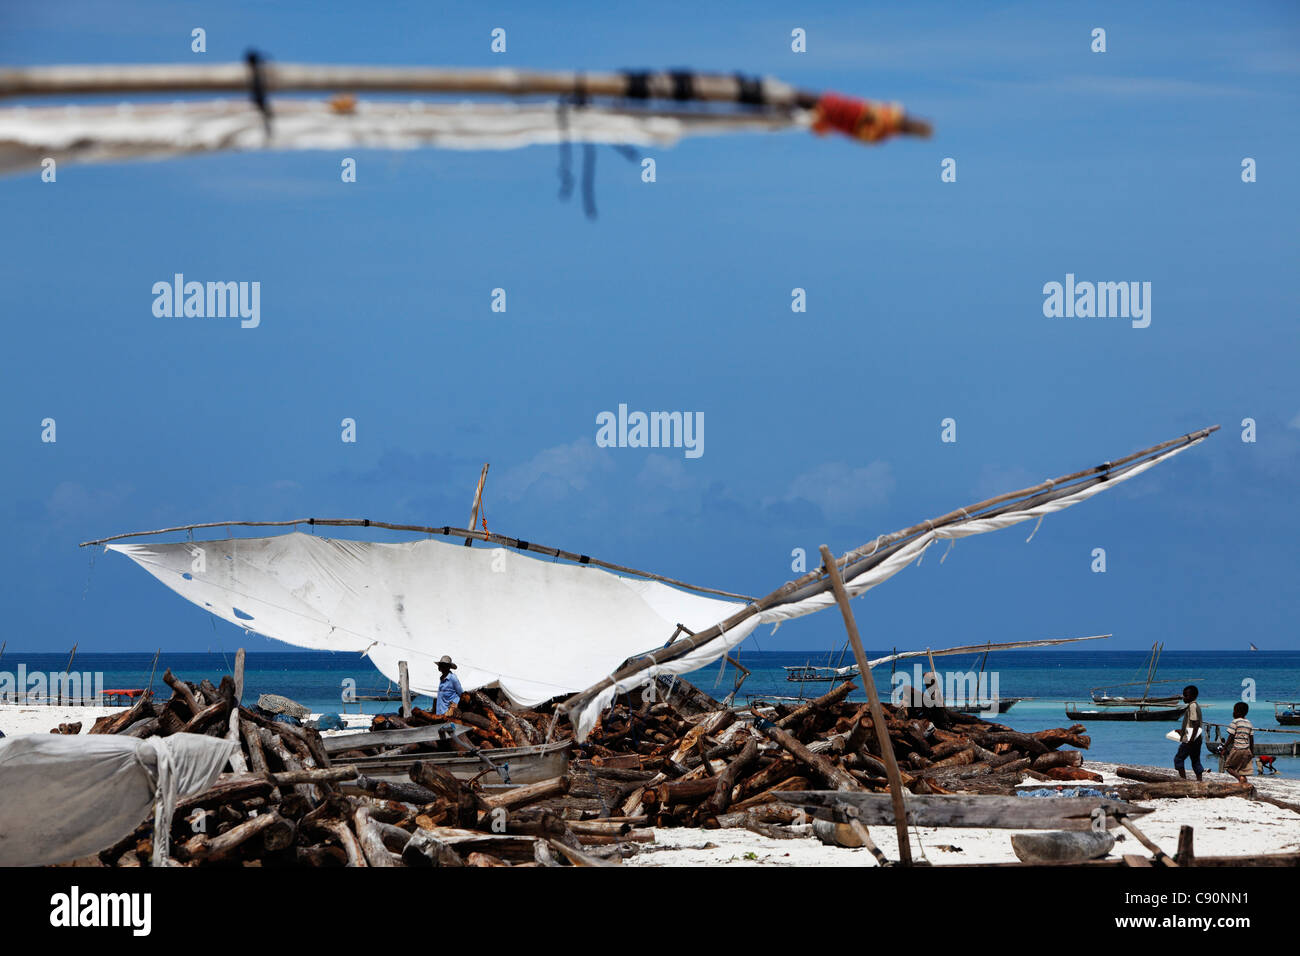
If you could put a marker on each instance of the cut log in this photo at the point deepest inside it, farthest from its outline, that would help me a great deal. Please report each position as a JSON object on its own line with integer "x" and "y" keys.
{"x": 371, "y": 840}
{"x": 825, "y": 700}
{"x": 529, "y": 793}
{"x": 822, "y": 767}
{"x": 720, "y": 799}
{"x": 202, "y": 848}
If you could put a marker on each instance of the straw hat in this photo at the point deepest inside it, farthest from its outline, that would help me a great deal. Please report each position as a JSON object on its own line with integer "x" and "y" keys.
{"x": 447, "y": 661}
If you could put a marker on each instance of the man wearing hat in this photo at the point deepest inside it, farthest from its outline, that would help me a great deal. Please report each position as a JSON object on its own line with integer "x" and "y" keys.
{"x": 449, "y": 689}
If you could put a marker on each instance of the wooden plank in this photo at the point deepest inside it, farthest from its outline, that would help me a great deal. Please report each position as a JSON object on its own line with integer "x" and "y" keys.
{"x": 970, "y": 810}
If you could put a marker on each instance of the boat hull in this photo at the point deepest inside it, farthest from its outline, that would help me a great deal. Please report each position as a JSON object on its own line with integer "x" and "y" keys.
{"x": 1143, "y": 715}
{"x": 520, "y": 764}
{"x": 1003, "y": 705}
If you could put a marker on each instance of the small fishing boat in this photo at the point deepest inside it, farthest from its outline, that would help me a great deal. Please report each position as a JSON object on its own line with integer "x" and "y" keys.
{"x": 813, "y": 674}
{"x": 981, "y": 706}
{"x": 1287, "y": 713}
{"x": 1074, "y": 712}
{"x": 1101, "y": 698}
{"x": 505, "y": 765}
{"x": 1268, "y": 742}
{"x": 1003, "y": 704}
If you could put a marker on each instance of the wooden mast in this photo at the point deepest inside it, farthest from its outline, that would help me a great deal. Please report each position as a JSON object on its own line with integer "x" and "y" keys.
{"x": 877, "y": 712}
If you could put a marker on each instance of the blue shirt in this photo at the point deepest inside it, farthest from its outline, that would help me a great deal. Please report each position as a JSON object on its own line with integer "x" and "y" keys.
{"x": 449, "y": 691}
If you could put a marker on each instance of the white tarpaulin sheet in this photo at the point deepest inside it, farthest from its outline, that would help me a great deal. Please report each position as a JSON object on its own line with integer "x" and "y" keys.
{"x": 136, "y": 131}
{"x": 63, "y": 797}
{"x": 537, "y": 628}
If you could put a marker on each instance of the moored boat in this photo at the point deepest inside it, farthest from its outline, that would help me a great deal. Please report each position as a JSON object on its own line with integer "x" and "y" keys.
{"x": 1073, "y": 712}
{"x": 1287, "y": 713}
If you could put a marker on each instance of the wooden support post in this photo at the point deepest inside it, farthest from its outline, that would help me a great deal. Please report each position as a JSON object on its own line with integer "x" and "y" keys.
{"x": 406, "y": 688}
{"x": 1185, "y": 856}
{"x": 877, "y": 712}
{"x": 239, "y": 677}
{"x": 478, "y": 500}
{"x": 1159, "y": 854}
{"x": 938, "y": 683}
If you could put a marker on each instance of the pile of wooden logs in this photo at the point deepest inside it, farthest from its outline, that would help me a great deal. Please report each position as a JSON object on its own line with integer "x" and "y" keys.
{"x": 724, "y": 768}
{"x": 659, "y": 761}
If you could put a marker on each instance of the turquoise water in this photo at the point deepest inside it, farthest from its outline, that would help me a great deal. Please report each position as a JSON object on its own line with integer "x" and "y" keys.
{"x": 316, "y": 679}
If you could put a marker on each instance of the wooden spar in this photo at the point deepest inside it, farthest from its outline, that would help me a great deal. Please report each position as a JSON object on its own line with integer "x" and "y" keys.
{"x": 303, "y": 77}
{"x": 478, "y": 500}
{"x": 1151, "y": 668}
{"x": 967, "y": 648}
{"x": 444, "y": 531}
{"x": 67, "y": 670}
{"x": 1159, "y": 854}
{"x": 878, "y": 723}
{"x": 684, "y": 647}
{"x": 154, "y": 669}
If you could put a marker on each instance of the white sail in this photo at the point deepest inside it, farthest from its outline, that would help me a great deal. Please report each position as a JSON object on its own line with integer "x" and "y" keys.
{"x": 536, "y": 628}
{"x": 164, "y": 130}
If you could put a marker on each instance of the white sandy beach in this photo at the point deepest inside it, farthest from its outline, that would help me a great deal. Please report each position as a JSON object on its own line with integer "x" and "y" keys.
{"x": 1224, "y": 826}
{"x": 17, "y": 719}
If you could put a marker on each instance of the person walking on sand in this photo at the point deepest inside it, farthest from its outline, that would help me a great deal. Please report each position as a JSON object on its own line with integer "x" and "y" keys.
{"x": 449, "y": 689}
{"x": 1190, "y": 735}
{"x": 1241, "y": 738}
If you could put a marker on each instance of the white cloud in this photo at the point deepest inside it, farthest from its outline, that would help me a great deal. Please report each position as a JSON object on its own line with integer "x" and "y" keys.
{"x": 554, "y": 472}
{"x": 840, "y": 491}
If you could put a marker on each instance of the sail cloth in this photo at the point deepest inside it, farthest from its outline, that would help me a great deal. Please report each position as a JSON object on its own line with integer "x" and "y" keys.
{"x": 64, "y": 797}
{"x": 916, "y": 547}
{"x": 159, "y": 131}
{"x": 537, "y": 628}
{"x": 584, "y": 717}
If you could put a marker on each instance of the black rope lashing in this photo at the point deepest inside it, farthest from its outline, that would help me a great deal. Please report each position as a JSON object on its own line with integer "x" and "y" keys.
{"x": 751, "y": 90}
{"x": 589, "y": 180}
{"x": 257, "y": 87}
{"x": 683, "y": 84}
{"x": 638, "y": 84}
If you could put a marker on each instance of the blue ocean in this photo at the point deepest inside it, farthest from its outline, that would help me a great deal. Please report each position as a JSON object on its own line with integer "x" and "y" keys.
{"x": 1051, "y": 678}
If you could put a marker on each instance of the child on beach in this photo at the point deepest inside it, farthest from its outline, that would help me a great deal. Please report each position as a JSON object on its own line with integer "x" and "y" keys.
{"x": 1191, "y": 735}
{"x": 1241, "y": 740}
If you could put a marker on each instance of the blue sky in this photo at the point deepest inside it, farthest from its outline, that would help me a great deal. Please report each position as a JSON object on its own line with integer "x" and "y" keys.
{"x": 924, "y": 302}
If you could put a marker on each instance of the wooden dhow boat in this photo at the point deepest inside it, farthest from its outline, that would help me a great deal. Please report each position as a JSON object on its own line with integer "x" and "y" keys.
{"x": 549, "y": 627}
{"x": 1103, "y": 699}
{"x": 1140, "y": 714}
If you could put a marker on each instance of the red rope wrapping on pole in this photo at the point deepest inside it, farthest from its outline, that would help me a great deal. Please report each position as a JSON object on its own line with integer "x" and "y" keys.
{"x": 868, "y": 121}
